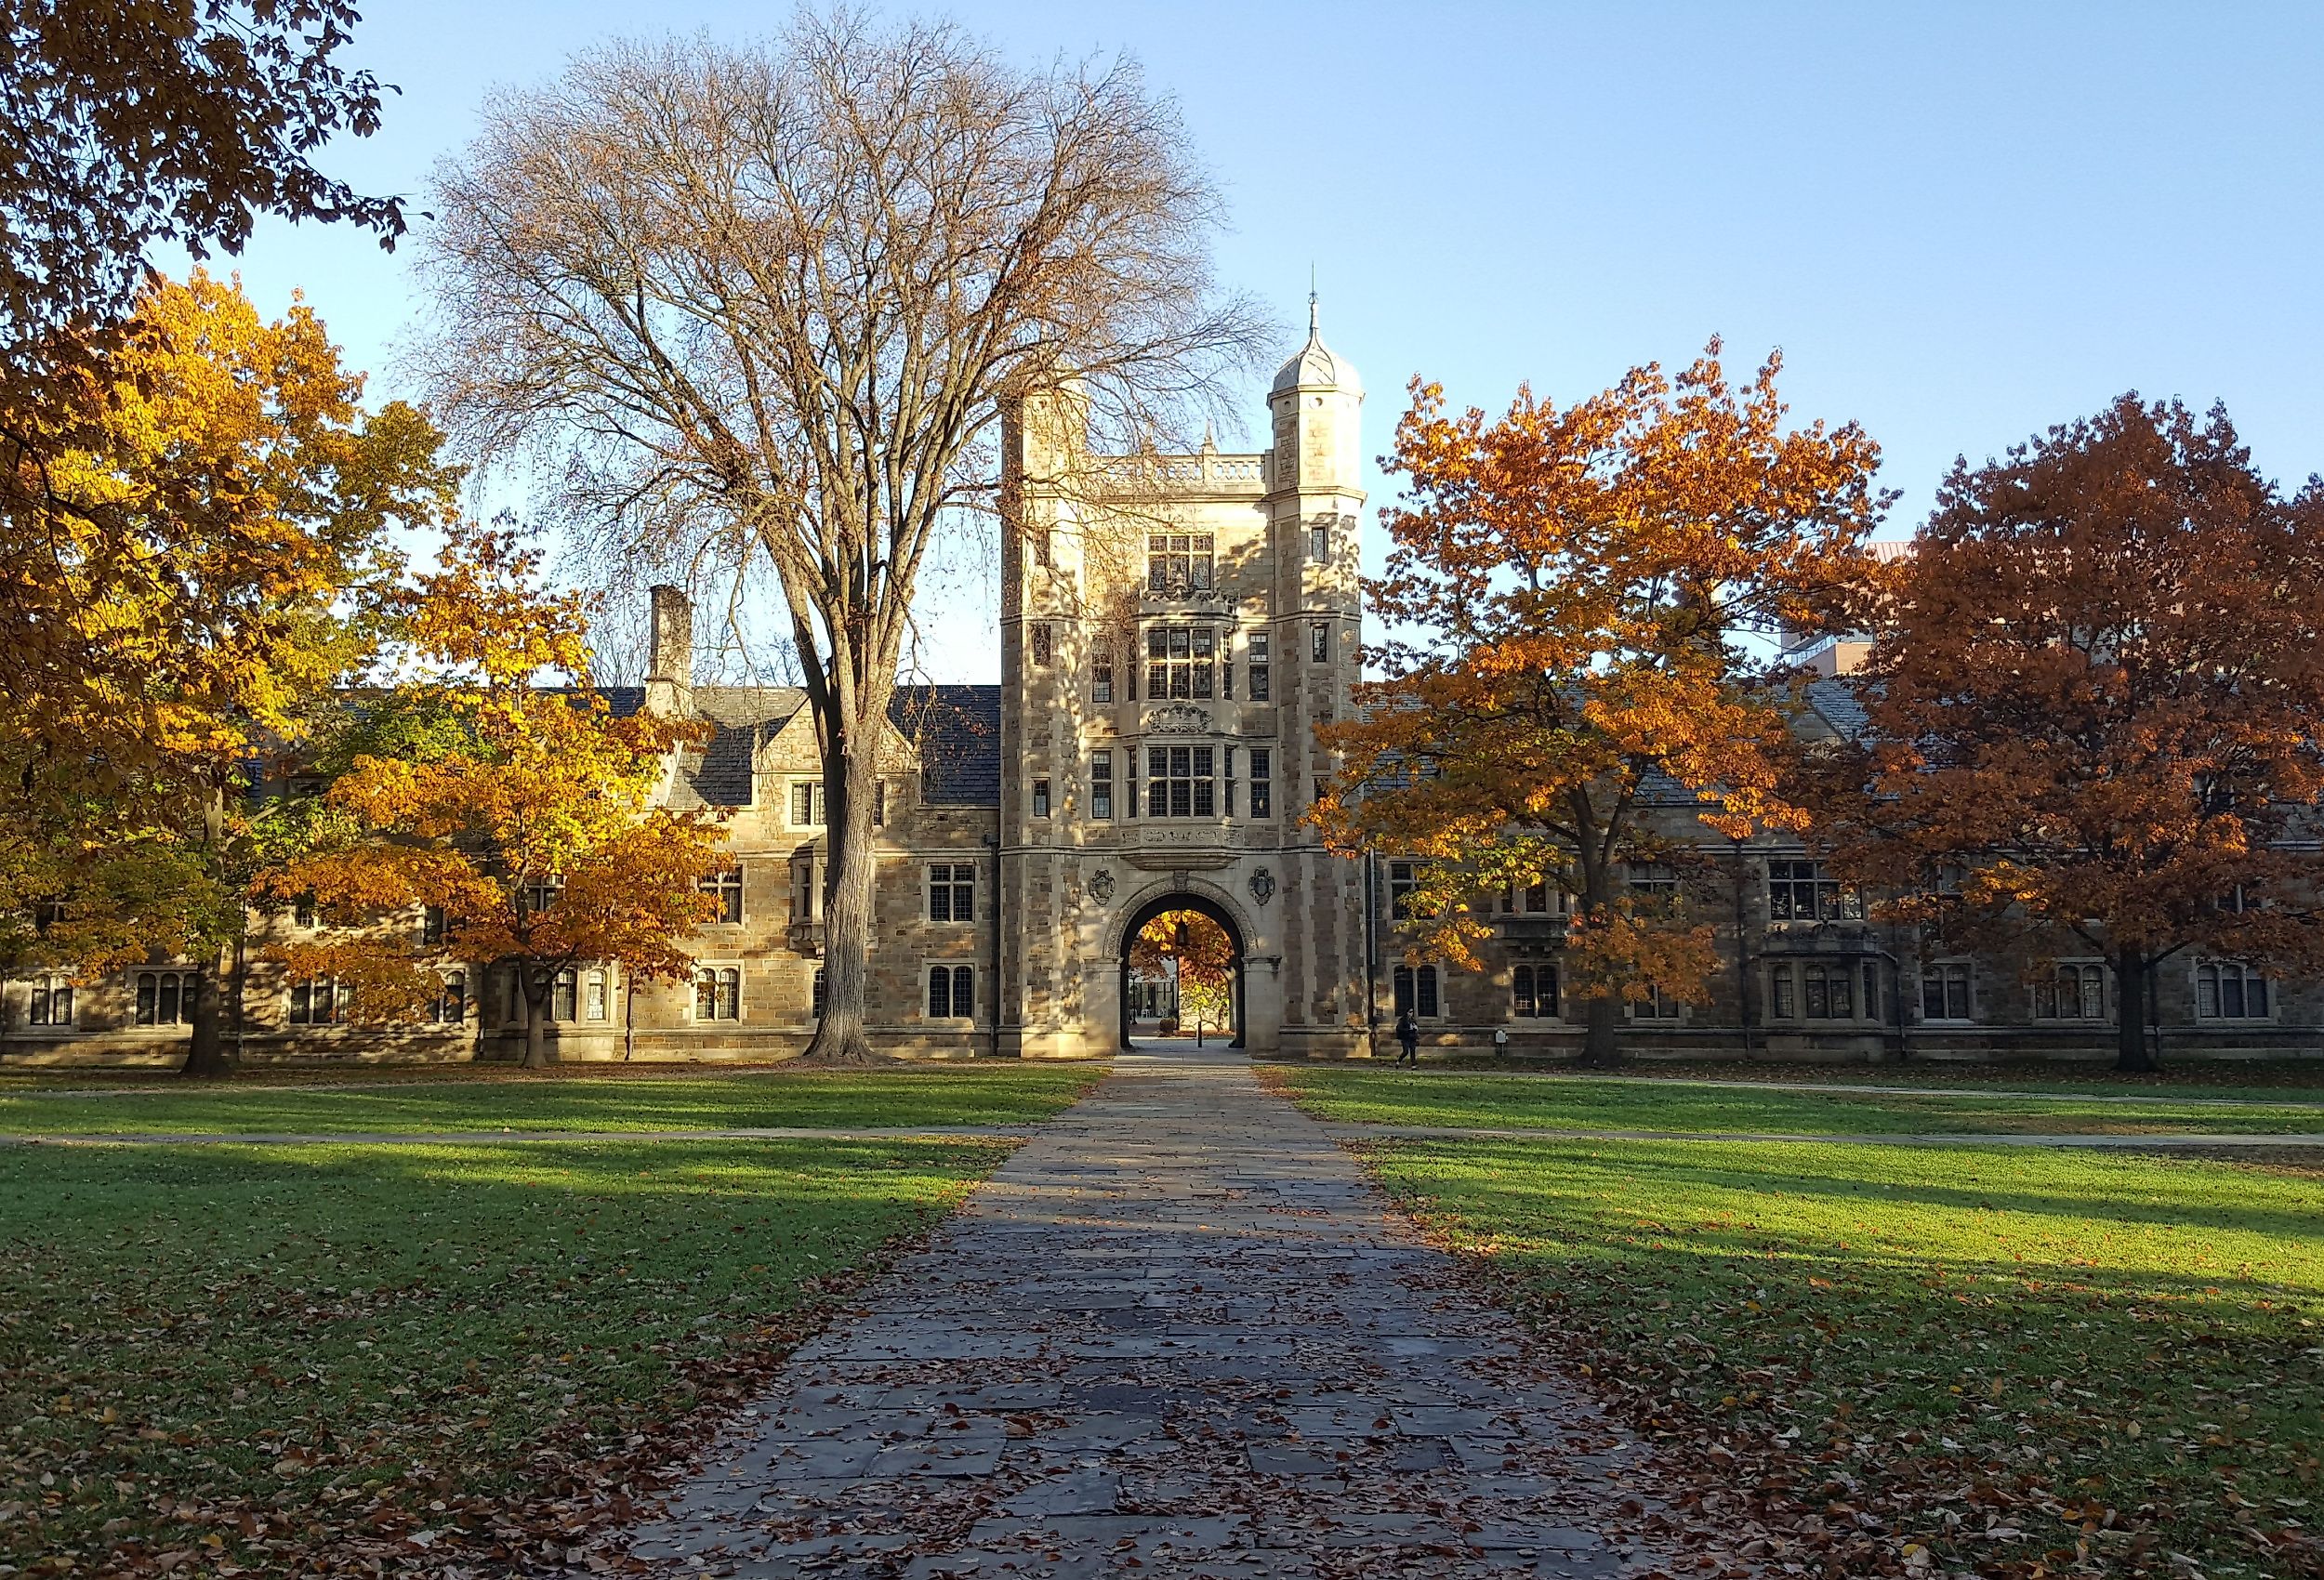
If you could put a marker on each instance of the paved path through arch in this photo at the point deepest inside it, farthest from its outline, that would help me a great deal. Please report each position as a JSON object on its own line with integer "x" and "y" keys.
{"x": 1177, "y": 1335}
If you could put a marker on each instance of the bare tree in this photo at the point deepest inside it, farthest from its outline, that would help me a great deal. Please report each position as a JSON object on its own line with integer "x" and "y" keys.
{"x": 774, "y": 300}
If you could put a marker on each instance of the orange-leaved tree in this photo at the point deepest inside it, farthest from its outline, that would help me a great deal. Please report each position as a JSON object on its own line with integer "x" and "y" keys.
{"x": 1579, "y": 604}
{"x": 521, "y": 810}
{"x": 1195, "y": 950}
{"x": 2093, "y": 708}
{"x": 191, "y": 541}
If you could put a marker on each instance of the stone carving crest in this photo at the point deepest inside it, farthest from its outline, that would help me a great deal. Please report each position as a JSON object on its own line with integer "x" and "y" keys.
{"x": 1263, "y": 885}
{"x": 1178, "y": 720}
{"x": 1102, "y": 883}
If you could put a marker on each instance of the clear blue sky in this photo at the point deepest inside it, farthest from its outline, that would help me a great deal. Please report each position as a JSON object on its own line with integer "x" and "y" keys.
{"x": 1960, "y": 222}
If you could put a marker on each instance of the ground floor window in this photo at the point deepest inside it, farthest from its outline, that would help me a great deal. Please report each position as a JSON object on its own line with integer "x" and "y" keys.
{"x": 2226, "y": 990}
{"x": 165, "y": 998}
{"x": 1945, "y": 991}
{"x": 2072, "y": 992}
{"x": 817, "y": 998}
{"x": 52, "y": 1002}
{"x": 719, "y": 993}
{"x": 596, "y": 997}
{"x": 1824, "y": 989}
{"x": 952, "y": 993}
{"x": 314, "y": 1001}
{"x": 1659, "y": 1003}
{"x": 1533, "y": 992}
{"x": 1416, "y": 991}
{"x": 449, "y": 1008}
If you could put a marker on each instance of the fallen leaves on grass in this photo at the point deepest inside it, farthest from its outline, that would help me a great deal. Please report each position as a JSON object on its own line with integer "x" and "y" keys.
{"x": 1803, "y": 1476}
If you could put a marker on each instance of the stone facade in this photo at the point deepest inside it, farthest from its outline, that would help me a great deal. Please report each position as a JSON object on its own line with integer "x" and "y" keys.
{"x": 1025, "y": 832}
{"x": 1174, "y": 629}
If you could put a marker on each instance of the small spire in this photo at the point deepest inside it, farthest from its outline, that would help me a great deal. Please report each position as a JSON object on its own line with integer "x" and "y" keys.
{"x": 1314, "y": 315}
{"x": 1209, "y": 442}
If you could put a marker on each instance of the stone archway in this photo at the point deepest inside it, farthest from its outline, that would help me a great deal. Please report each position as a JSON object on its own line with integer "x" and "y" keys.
{"x": 1202, "y": 904}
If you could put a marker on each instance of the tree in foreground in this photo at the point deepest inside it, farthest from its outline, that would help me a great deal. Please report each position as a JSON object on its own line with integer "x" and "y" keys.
{"x": 2093, "y": 705}
{"x": 124, "y": 125}
{"x": 206, "y": 530}
{"x": 522, "y": 812}
{"x": 769, "y": 304}
{"x": 1195, "y": 951}
{"x": 1581, "y": 603}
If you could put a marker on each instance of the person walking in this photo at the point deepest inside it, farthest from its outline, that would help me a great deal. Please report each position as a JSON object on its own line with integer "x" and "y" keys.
{"x": 1407, "y": 1040}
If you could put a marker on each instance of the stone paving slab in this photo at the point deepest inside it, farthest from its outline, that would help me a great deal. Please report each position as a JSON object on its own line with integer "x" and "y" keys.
{"x": 1176, "y": 1337}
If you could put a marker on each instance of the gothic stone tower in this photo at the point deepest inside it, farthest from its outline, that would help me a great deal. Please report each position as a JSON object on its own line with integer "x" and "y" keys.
{"x": 1174, "y": 629}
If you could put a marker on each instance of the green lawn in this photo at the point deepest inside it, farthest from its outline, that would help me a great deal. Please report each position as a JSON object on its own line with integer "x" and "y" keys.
{"x": 300, "y": 1360}
{"x": 2268, "y": 1080}
{"x": 994, "y": 1093}
{"x": 1468, "y": 1100}
{"x": 2021, "y": 1360}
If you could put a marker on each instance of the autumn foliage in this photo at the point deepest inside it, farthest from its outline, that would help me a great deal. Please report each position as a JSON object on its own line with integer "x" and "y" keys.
{"x": 1570, "y": 602}
{"x": 194, "y": 522}
{"x": 522, "y": 811}
{"x": 1195, "y": 949}
{"x": 2094, "y": 708}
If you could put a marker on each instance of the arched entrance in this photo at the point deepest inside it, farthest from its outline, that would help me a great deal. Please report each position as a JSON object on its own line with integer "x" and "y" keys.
{"x": 1162, "y": 904}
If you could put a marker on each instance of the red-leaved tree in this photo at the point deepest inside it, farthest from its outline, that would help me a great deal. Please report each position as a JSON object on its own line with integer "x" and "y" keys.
{"x": 2094, "y": 704}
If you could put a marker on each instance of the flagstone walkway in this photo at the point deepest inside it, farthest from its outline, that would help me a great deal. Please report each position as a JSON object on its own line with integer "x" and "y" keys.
{"x": 1176, "y": 1336}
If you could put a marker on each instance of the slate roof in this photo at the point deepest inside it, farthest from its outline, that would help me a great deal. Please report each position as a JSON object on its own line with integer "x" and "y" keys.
{"x": 1837, "y": 703}
{"x": 717, "y": 773}
{"x": 958, "y": 732}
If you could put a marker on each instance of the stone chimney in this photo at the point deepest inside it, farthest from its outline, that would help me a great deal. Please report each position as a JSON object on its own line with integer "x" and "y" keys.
{"x": 669, "y": 674}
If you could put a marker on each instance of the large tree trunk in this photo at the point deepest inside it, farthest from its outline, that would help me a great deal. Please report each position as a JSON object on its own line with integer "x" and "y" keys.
{"x": 1600, "y": 1048}
{"x": 847, "y": 912}
{"x": 2131, "y": 1052}
{"x": 207, "y": 1054}
{"x": 539, "y": 1054}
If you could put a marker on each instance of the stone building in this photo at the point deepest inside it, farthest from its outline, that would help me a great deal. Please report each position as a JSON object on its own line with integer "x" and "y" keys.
{"x": 1172, "y": 629}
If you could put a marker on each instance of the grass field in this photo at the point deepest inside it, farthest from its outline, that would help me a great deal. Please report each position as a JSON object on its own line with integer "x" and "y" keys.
{"x": 2299, "y": 1080}
{"x": 295, "y": 1360}
{"x": 318, "y": 1360}
{"x": 997, "y": 1093}
{"x": 1998, "y": 1361}
{"x": 1467, "y": 1099}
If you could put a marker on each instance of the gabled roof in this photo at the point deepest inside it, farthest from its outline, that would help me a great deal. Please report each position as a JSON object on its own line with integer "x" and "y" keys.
{"x": 1836, "y": 702}
{"x": 718, "y": 772}
{"x": 956, "y": 730}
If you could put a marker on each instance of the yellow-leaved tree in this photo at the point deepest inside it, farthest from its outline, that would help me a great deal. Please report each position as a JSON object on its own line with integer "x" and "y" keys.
{"x": 491, "y": 782}
{"x": 197, "y": 523}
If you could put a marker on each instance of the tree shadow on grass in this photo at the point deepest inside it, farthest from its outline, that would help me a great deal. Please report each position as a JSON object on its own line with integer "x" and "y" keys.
{"x": 811, "y": 1099}
{"x": 277, "y": 1330}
